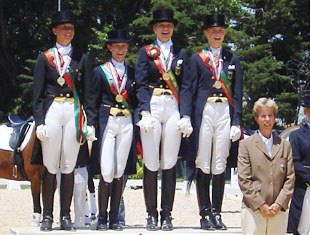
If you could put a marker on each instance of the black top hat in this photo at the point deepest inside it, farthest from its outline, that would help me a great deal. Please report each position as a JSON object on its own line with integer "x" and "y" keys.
{"x": 305, "y": 98}
{"x": 163, "y": 14}
{"x": 117, "y": 36}
{"x": 62, "y": 17}
{"x": 214, "y": 20}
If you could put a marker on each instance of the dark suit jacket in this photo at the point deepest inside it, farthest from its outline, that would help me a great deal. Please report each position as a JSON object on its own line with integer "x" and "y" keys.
{"x": 148, "y": 77}
{"x": 300, "y": 141}
{"x": 105, "y": 100}
{"x": 264, "y": 179}
{"x": 45, "y": 86}
{"x": 202, "y": 81}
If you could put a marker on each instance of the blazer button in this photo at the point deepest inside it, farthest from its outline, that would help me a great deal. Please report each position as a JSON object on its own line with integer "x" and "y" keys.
{"x": 61, "y": 95}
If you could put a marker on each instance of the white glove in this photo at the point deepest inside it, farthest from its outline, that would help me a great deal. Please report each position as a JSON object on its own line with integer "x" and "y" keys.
{"x": 42, "y": 132}
{"x": 235, "y": 133}
{"x": 185, "y": 126}
{"x": 146, "y": 123}
{"x": 91, "y": 133}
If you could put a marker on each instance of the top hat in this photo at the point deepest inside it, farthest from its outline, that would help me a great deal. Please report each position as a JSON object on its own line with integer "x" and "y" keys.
{"x": 214, "y": 20}
{"x": 118, "y": 36}
{"x": 62, "y": 17}
{"x": 163, "y": 15}
{"x": 305, "y": 99}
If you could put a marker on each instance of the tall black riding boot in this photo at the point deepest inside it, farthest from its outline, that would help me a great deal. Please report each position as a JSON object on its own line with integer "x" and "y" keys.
{"x": 218, "y": 184}
{"x": 116, "y": 195}
{"x": 66, "y": 193}
{"x": 150, "y": 198}
{"x": 168, "y": 182}
{"x": 48, "y": 190}
{"x": 103, "y": 200}
{"x": 203, "y": 197}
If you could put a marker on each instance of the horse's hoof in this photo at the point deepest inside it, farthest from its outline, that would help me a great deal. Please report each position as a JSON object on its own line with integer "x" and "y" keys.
{"x": 36, "y": 218}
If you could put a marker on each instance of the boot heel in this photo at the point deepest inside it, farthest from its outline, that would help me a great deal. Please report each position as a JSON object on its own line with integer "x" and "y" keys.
{"x": 46, "y": 224}
{"x": 66, "y": 223}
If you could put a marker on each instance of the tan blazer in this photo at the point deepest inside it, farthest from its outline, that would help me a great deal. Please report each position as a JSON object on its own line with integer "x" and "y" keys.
{"x": 265, "y": 179}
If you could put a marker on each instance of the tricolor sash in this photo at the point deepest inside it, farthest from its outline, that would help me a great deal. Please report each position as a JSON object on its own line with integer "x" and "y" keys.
{"x": 109, "y": 78}
{"x": 226, "y": 86}
{"x": 172, "y": 82}
{"x": 79, "y": 113}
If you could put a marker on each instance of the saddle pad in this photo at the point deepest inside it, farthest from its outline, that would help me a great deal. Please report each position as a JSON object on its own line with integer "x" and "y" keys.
{"x": 5, "y": 135}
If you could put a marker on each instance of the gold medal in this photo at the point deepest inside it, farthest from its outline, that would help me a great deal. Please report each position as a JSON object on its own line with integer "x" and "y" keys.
{"x": 61, "y": 81}
{"x": 217, "y": 85}
{"x": 166, "y": 76}
{"x": 119, "y": 98}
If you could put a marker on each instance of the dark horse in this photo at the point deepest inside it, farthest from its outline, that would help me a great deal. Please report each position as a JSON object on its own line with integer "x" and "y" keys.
{"x": 28, "y": 171}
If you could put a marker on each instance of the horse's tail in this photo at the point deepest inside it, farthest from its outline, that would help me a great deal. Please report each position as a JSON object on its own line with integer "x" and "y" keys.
{"x": 191, "y": 178}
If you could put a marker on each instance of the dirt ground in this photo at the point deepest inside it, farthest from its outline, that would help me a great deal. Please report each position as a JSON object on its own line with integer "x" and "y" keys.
{"x": 16, "y": 208}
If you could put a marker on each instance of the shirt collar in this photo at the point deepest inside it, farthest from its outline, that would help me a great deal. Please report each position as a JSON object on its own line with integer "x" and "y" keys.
{"x": 119, "y": 65}
{"x": 216, "y": 51}
{"x": 266, "y": 140}
{"x": 164, "y": 45}
{"x": 64, "y": 50}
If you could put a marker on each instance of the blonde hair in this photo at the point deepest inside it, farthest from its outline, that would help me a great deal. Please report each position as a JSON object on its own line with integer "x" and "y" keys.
{"x": 264, "y": 102}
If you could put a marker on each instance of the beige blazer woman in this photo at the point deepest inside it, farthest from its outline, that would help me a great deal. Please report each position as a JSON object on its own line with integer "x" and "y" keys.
{"x": 263, "y": 178}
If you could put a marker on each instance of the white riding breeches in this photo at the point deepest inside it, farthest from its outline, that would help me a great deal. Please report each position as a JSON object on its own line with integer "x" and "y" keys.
{"x": 79, "y": 195}
{"x": 115, "y": 147}
{"x": 165, "y": 113}
{"x": 61, "y": 148}
{"x": 304, "y": 225}
{"x": 214, "y": 141}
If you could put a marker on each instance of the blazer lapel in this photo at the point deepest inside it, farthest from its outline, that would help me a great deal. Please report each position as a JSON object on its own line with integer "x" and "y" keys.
{"x": 260, "y": 144}
{"x": 275, "y": 144}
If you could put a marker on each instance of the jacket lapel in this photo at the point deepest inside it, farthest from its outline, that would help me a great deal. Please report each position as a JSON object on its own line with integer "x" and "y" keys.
{"x": 275, "y": 145}
{"x": 260, "y": 144}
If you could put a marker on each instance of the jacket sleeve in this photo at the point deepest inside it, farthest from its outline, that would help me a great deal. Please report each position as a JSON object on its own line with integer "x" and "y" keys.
{"x": 39, "y": 88}
{"x": 297, "y": 140}
{"x": 237, "y": 92}
{"x": 89, "y": 91}
{"x": 186, "y": 87}
{"x": 288, "y": 186}
{"x": 141, "y": 78}
{"x": 251, "y": 195}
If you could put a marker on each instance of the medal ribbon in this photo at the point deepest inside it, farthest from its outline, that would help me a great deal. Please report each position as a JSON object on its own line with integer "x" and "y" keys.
{"x": 223, "y": 79}
{"x": 116, "y": 77}
{"x": 165, "y": 64}
{"x": 61, "y": 70}
{"x": 109, "y": 77}
{"x": 216, "y": 68}
{"x": 172, "y": 82}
